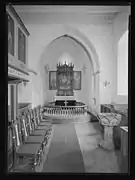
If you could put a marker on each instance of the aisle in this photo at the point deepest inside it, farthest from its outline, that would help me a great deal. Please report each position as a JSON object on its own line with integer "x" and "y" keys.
{"x": 64, "y": 152}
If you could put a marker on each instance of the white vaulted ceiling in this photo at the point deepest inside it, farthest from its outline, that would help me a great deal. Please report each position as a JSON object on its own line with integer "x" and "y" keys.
{"x": 70, "y": 9}
{"x": 68, "y": 14}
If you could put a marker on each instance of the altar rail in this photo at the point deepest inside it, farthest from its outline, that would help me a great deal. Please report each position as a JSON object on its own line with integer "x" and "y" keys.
{"x": 65, "y": 111}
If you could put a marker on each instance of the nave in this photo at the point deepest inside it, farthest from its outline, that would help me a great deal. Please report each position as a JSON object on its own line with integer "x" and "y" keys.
{"x": 82, "y": 155}
{"x": 40, "y": 144}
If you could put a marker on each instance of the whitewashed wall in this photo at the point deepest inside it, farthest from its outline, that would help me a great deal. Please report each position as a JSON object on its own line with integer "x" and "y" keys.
{"x": 104, "y": 36}
{"x": 120, "y": 26}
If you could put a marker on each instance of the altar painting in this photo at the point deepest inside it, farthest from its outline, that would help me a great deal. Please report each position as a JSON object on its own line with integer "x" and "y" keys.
{"x": 64, "y": 81}
{"x": 77, "y": 80}
{"x": 52, "y": 80}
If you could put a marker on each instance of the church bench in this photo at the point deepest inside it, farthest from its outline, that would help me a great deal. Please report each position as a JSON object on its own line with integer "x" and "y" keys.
{"x": 37, "y": 119}
{"x": 42, "y": 120}
{"x": 10, "y": 152}
{"x": 31, "y": 139}
{"x": 27, "y": 156}
{"x": 29, "y": 123}
{"x": 38, "y": 135}
{"x": 24, "y": 155}
{"x": 33, "y": 127}
{"x": 29, "y": 130}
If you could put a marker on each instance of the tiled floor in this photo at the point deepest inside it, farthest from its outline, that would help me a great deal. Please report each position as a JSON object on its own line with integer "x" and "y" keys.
{"x": 96, "y": 159}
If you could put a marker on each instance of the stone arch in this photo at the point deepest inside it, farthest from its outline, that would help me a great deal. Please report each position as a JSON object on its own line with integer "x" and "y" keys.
{"x": 81, "y": 39}
{"x": 91, "y": 51}
{"x": 89, "y": 48}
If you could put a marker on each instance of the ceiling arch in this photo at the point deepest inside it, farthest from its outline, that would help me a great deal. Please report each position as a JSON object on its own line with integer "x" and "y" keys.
{"x": 80, "y": 38}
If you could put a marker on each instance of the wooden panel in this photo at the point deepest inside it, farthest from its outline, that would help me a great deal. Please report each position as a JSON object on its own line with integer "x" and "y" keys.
{"x": 17, "y": 40}
{"x": 21, "y": 46}
{"x": 11, "y": 40}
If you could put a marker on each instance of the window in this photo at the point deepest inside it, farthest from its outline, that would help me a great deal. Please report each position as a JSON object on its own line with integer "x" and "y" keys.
{"x": 122, "y": 65}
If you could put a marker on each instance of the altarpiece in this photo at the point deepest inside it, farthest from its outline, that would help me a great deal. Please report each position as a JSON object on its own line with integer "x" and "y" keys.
{"x": 65, "y": 80}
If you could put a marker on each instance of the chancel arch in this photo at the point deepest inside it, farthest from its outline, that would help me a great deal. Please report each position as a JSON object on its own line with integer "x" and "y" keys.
{"x": 88, "y": 64}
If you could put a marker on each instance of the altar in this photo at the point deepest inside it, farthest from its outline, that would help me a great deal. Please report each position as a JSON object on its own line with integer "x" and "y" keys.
{"x": 64, "y": 100}
{"x": 65, "y": 80}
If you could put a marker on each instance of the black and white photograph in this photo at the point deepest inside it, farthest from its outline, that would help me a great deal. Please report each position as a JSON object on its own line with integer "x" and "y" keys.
{"x": 68, "y": 81}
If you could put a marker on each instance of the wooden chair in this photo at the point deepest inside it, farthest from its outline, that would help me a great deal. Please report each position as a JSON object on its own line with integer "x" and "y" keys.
{"x": 39, "y": 120}
{"x": 36, "y": 139}
{"x": 43, "y": 117}
{"x": 27, "y": 137}
{"x": 45, "y": 133}
{"x": 37, "y": 130}
{"x": 28, "y": 157}
{"x": 10, "y": 149}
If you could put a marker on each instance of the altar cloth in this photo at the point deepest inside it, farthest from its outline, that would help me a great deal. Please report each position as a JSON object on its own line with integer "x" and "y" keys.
{"x": 64, "y": 98}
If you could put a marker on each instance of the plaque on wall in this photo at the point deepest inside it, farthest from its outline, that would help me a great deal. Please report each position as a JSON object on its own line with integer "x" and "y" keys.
{"x": 52, "y": 80}
{"x": 10, "y": 35}
{"x": 21, "y": 46}
{"x": 77, "y": 80}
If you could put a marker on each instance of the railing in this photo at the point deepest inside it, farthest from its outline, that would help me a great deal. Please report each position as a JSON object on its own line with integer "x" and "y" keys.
{"x": 65, "y": 111}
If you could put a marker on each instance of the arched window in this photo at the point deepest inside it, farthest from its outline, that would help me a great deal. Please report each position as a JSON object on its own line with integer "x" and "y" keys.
{"x": 122, "y": 65}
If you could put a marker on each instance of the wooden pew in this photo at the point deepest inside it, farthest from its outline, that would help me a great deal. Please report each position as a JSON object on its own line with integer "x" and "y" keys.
{"x": 38, "y": 118}
{"x": 28, "y": 157}
{"x": 29, "y": 143}
{"x": 10, "y": 149}
{"x": 27, "y": 137}
{"x": 33, "y": 126}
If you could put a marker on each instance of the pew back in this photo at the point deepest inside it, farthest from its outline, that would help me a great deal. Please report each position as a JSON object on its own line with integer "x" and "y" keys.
{"x": 10, "y": 147}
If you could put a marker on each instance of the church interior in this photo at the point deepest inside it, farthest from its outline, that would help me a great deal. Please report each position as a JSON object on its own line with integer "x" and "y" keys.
{"x": 68, "y": 89}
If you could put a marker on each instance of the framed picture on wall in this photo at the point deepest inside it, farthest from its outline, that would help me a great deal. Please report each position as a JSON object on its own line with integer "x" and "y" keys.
{"x": 77, "y": 80}
{"x": 52, "y": 80}
{"x": 21, "y": 46}
{"x": 10, "y": 35}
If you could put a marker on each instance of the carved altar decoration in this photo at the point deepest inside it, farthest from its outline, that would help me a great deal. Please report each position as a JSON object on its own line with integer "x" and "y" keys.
{"x": 65, "y": 79}
{"x": 77, "y": 80}
{"x": 52, "y": 80}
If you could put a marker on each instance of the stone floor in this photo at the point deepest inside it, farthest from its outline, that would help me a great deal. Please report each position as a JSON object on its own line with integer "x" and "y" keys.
{"x": 96, "y": 159}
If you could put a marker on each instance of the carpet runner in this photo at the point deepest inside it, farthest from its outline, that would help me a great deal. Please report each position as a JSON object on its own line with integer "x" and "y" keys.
{"x": 64, "y": 152}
